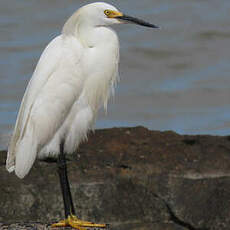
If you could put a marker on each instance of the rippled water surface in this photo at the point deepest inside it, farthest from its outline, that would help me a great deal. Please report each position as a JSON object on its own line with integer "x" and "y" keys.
{"x": 176, "y": 78}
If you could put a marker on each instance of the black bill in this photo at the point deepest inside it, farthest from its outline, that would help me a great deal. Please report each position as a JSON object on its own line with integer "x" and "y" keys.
{"x": 136, "y": 21}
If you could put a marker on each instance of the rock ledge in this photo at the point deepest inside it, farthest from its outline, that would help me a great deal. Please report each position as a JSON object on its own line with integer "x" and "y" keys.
{"x": 130, "y": 178}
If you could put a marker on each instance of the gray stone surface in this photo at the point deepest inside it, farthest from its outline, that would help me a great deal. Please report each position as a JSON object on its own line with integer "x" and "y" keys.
{"x": 130, "y": 178}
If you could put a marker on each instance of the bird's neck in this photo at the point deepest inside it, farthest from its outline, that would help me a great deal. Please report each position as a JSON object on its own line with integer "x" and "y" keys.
{"x": 91, "y": 36}
{"x": 86, "y": 31}
{"x": 88, "y": 34}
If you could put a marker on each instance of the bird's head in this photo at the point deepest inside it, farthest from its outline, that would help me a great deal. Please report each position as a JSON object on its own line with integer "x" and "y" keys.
{"x": 104, "y": 14}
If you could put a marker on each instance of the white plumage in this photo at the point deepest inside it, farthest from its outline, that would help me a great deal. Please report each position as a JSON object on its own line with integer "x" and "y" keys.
{"x": 73, "y": 79}
{"x": 68, "y": 86}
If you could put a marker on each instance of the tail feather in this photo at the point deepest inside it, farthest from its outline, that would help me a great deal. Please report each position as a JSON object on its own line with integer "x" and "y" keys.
{"x": 10, "y": 161}
{"x": 26, "y": 152}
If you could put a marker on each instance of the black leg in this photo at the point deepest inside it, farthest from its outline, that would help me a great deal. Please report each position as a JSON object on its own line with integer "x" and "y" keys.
{"x": 69, "y": 193}
{"x": 61, "y": 169}
{"x": 66, "y": 193}
{"x": 67, "y": 198}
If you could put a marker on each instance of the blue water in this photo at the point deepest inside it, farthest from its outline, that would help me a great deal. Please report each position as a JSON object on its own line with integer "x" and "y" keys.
{"x": 176, "y": 78}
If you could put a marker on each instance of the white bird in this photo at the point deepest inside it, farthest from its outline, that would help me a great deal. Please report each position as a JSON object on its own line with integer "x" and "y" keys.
{"x": 74, "y": 77}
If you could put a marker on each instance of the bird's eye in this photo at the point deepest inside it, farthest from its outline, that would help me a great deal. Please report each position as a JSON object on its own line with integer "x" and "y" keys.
{"x": 107, "y": 12}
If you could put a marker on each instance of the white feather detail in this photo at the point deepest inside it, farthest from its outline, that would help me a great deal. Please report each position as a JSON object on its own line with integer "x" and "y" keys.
{"x": 46, "y": 65}
{"x": 43, "y": 92}
{"x": 26, "y": 152}
{"x": 11, "y": 169}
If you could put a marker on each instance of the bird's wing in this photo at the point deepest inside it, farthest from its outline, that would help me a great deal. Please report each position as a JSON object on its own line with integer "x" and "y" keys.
{"x": 25, "y": 127}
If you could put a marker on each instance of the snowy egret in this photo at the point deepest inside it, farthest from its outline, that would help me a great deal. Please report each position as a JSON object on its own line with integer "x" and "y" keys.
{"x": 74, "y": 77}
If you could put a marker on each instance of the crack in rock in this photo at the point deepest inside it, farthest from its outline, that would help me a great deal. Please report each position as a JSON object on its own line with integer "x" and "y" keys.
{"x": 176, "y": 219}
{"x": 180, "y": 222}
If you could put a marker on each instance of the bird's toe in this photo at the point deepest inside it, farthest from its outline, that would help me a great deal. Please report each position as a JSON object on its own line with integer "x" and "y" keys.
{"x": 76, "y": 223}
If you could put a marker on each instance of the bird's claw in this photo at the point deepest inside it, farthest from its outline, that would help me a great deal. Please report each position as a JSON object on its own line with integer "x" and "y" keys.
{"x": 76, "y": 223}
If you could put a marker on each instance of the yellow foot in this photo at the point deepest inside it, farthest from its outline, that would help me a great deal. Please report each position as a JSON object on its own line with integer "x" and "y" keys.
{"x": 74, "y": 222}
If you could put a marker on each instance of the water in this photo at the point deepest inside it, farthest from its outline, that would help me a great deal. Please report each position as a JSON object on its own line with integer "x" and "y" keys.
{"x": 176, "y": 78}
